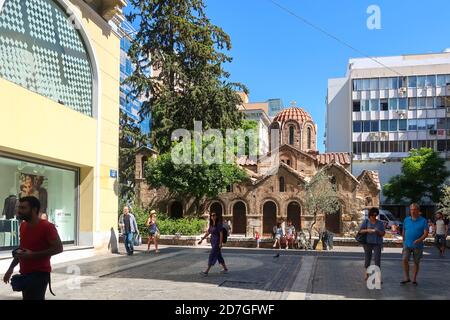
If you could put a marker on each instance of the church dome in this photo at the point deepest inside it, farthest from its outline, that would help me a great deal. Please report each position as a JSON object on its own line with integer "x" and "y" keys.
{"x": 293, "y": 113}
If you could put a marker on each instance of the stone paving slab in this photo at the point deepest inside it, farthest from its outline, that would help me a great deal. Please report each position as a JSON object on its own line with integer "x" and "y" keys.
{"x": 254, "y": 274}
{"x": 343, "y": 279}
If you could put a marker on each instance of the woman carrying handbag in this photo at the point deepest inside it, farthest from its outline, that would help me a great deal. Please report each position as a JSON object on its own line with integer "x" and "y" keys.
{"x": 371, "y": 236}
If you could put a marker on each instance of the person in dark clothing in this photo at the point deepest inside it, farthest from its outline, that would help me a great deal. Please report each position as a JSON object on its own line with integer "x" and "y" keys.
{"x": 375, "y": 231}
{"x": 10, "y": 206}
{"x": 216, "y": 232}
{"x": 39, "y": 240}
{"x": 127, "y": 223}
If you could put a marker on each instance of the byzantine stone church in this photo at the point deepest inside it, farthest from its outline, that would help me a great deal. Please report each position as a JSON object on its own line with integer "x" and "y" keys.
{"x": 271, "y": 195}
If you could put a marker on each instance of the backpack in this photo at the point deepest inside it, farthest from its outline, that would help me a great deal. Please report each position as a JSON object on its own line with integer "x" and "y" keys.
{"x": 225, "y": 234}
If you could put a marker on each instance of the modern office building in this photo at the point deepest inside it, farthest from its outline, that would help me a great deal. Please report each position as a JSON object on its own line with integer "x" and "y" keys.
{"x": 271, "y": 107}
{"x": 257, "y": 112}
{"x": 59, "y": 116}
{"x": 386, "y": 106}
{"x": 131, "y": 106}
{"x": 275, "y": 107}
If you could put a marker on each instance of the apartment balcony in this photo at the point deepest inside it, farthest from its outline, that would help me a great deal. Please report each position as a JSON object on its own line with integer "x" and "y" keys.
{"x": 386, "y": 156}
{"x": 380, "y": 156}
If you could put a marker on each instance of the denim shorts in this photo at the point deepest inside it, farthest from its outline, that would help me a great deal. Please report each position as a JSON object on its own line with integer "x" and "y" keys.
{"x": 440, "y": 240}
{"x": 416, "y": 252}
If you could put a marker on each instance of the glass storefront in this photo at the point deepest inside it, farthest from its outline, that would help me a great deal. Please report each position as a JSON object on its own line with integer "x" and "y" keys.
{"x": 56, "y": 188}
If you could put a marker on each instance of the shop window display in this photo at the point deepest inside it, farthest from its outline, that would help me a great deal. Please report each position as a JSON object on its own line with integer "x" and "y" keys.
{"x": 56, "y": 189}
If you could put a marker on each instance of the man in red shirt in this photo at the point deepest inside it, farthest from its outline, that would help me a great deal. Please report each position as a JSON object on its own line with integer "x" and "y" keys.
{"x": 39, "y": 240}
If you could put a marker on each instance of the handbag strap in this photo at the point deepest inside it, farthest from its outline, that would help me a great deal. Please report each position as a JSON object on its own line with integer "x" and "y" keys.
{"x": 365, "y": 224}
{"x": 50, "y": 284}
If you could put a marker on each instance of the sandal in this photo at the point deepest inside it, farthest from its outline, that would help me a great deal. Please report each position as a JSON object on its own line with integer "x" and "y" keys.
{"x": 405, "y": 281}
{"x": 415, "y": 283}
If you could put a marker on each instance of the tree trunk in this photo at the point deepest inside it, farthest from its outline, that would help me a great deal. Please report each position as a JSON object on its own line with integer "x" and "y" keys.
{"x": 312, "y": 226}
{"x": 200, "y": 206}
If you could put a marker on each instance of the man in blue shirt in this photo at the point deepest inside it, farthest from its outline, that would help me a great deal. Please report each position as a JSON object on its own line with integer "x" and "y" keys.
{"x": 415, "y": 231}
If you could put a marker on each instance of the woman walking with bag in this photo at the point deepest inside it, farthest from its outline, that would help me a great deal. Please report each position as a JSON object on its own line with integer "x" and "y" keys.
{"x": 374, "y": 231}
{"x": 216, "y": 232}
{"x": 152, "y": 231}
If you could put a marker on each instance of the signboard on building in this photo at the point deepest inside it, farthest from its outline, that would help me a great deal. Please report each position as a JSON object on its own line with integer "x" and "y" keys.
{"x": 113, "y": 173}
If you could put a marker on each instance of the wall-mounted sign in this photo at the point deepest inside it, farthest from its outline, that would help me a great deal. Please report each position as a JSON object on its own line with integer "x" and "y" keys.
{"x": 113, "y": 173}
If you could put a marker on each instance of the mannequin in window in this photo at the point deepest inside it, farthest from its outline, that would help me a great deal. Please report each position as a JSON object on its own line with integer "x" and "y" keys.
{"x": 42, "y": 194}
{"x": 10, "y": 205}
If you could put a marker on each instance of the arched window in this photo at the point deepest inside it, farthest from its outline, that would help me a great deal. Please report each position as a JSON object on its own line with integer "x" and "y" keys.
{"x": 291, "y": 135}
{"x": 282, "y": 185}
{"x": 42, "y": 51}
{"x": 333, "y": 182}
{"x": 239, "y": 218}
{"x": 176, "y": 210}
{"x": 308, "y": 138}
{"x": 144, "y": 160}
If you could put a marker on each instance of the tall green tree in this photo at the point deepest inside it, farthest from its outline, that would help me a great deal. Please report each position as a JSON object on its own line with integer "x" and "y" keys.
{"x": 186, "y": 51}
{"x": 320, "y": 198}
{"x": 193, "y": 181}
{"x": 130, "y": 139}
{"x": 444, "y": 204}
{"x": 423, "y": 175}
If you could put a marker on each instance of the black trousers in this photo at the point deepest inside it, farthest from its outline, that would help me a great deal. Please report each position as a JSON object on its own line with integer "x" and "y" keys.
{"x": 376, "y": 249}
{"x": 37, "y": 286}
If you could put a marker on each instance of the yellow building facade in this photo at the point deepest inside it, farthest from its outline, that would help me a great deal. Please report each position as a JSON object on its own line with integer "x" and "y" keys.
{"x": 59, "y": 116}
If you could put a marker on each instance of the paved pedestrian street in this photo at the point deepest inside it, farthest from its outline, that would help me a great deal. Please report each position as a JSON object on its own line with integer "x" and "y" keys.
{"x": 254, "y": 274}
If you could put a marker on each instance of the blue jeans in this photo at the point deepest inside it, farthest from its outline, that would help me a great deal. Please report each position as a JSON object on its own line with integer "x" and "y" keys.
{"x": 330, "y": 239}
{"x": 128, "y": 239}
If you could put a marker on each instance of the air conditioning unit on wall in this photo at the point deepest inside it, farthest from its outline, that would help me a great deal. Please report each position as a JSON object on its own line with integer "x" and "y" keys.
{"x": 373, "y": 136}
{"x": 402, "y": 114}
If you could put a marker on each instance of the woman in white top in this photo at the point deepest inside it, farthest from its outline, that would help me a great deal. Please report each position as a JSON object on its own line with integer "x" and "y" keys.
{"x": 441, "y": 231}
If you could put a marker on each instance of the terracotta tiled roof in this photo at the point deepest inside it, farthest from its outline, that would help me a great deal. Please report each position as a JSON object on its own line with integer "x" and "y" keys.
{"x": 373, "y": 175}
{"x": 273, "y": 171}
{"x": 293, "y": 113}
{"x": 245, "y": 161}
{"x": 342, "y": 168}
{"x": 342, "y": 158}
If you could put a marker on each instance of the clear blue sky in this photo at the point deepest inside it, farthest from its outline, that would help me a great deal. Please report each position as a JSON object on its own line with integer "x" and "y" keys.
{"x": 278, "y": 56}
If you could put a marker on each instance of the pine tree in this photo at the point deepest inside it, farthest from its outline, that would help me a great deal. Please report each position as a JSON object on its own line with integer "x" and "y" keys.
{"x": 130, "y": 139}
{"x": 179, "y": 57}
